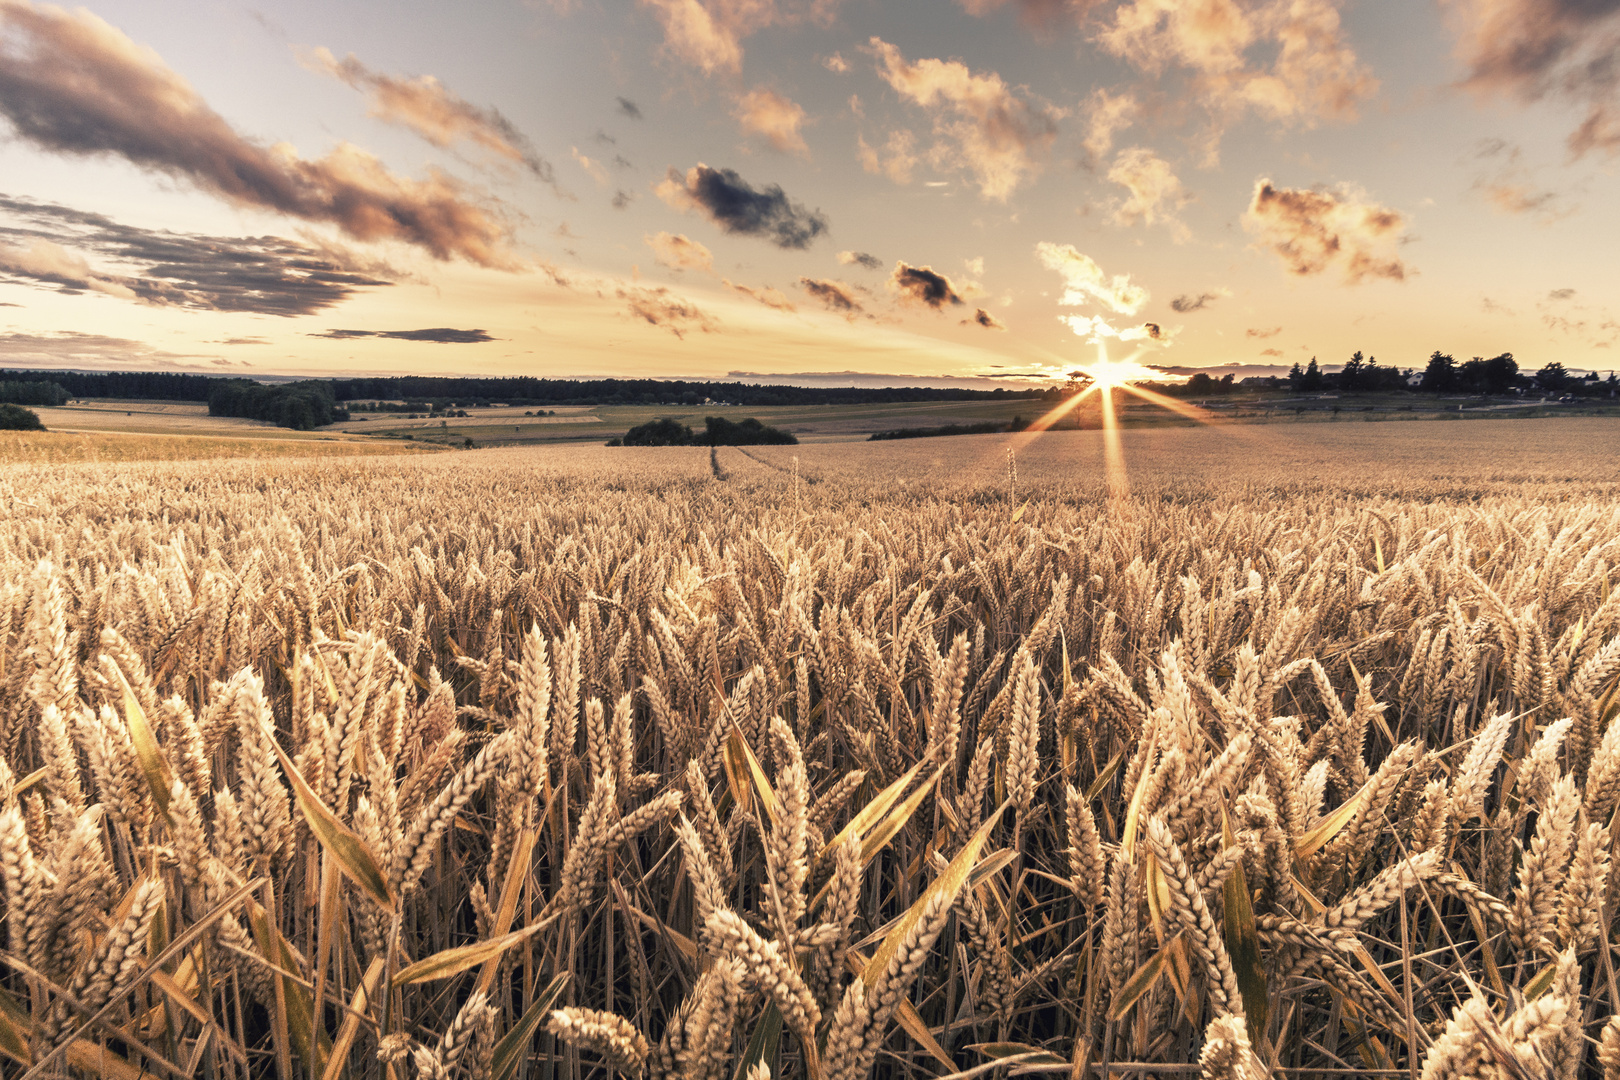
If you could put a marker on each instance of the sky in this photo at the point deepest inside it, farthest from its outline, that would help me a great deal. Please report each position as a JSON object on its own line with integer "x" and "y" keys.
{"x": 810, "y": 190}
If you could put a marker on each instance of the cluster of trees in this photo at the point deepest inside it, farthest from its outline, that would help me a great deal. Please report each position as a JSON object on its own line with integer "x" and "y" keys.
{"x": 154, "y": 385}
{"x": 298, "y": 405}
{"x": 717, "y": 431}
{"x": 1500, "y": 375}
{"x": 42, "y": 392}
{"x": 16, "y": 418}
{"x": 1362, "y": 373}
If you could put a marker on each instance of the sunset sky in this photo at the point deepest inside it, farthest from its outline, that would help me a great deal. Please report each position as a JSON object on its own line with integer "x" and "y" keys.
{"x": 984, "y": 188}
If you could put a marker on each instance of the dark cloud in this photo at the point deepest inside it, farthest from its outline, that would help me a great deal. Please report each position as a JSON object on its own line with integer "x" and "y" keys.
{"x": 442, "y": 335}
{"x": 1254, "y": 333}
{"x": 1533, "y": 49}
{"x": 736, "y": 207}
{"x": 861, "y": 259}
{"x": 47, "y": 244}
{"x": 1154, "y": 331}
{"x": 1311, "y": 229}
{"x": 629, "y": 108}
{"x": 1561, "y": 294}
{"x": 74, "y": 85}
{"x": 661, "y": 308}
{"x": 985, "y": 319}
{"x": 622, "y": 199}
{"x": 1184, "y": 304}
{"x": 921, "y": 285}
{"x": 835, "y": 294}
{"x": 242, "y": 341}
{"x": 425, "y": 106}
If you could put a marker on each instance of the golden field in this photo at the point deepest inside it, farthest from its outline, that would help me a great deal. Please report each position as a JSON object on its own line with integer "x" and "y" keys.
{"x": 1233, "y": 752}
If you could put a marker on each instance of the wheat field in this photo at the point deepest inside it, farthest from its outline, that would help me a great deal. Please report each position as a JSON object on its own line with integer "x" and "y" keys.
{"x": 824, "y": 762}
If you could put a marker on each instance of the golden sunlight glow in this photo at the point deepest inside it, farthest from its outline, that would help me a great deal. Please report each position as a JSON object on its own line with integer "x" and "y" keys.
{"x": 1108, "y": 373}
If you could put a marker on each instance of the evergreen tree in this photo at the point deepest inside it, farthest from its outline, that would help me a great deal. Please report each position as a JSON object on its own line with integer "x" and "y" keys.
{"x": 1311, "y": 381}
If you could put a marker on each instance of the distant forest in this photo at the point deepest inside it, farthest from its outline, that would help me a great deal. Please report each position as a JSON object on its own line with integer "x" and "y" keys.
{"x": 520, "y": 390}
{"x": 311, "y": 403}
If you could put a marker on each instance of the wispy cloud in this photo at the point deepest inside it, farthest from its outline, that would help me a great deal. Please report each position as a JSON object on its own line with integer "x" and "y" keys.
{"x": 72, "y": 84}
{"x": 708, "y": 34}
{"x": 1084, "y": 281}
{"x": 1312, "y": 229}
{"x": 1155, "y": 192}
{"x": 922, "y": 285}
{"x": 1188, "y": 303}
{"x": 861, "y": 259}
{"x": 628, "y": 108}
{"x": 896, "y": 158}
{"x": 69, "y": 348}
{"x": 768, "y": 114}
{"x": 837, "y": 295}
{"x": 1287, "y": 60}
{"x": 47, "y": 244}
{"x": 983, "y": 318}
{"x": 771, "y": 298}
{"x": 678, "y": 252}
{"x": 729, "y": 201}
{"x": 661, "y": 308}
{"x": 425, "y": 106}
{"x": 987, "y": 127}
{"x": 441, "y": 335}
{"x": 1532, "y": 49}
{"x": 1262, "y": 333}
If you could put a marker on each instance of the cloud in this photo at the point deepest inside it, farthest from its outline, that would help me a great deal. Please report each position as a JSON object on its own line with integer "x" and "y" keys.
{"x": 861, "y": 259}
{"x": 1187, "y": 302}
{"x": 72, "y": 84}
{"x": 732, "y": 204}
{"x": 771, "y": 298}
{"x": 659, "y": 307}
{"x": 1509, "y": 185}
{"x": 442, "y": 335}
{"x": 47, "y": 244}
{"x": 837, "y": 295}
{"x": 243, "y": 341}
{"x": 1041, "y": 13}
{"x": 1084, "y": 281}
{"x": 69, "y": 348}
{"x": 1095, "y": 328}
{"x": 1271, "y": 352}
{"x": 901, "y": 159}
{"x": 1534, "y": 49}
{"x": 1491, "y": 307}
{"x": 628, "y": 108}
{"x": 622, "y": 199}
{"x": 677, "y": 252}
{"x": 1287, "y": 60}
{"x": 836, "y": 64}
{"x": 988, "y": 129}
{"x": 769, "y": 114}
{"x": 985, "y": 319}
{"x": 1313, "y": 229}
{"x": 921, "y": 285}
{"x": 433, "y": 112}
{"x": 592, "y": 166}
{"x": 1156, "y": 194}
{"x": 1561, "y": 294}
{"x": 1262, "y": 334}
{"x": 708, "y": 34}
{"x": 1106, "y": 114}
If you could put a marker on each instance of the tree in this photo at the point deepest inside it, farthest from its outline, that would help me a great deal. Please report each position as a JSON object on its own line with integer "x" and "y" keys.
{"x": 1441, "y": 374}
{"x": 1295, "y": 375}
{"x": 665, "y": 431}
{"x": 1552, "y": 377}
{"x": 17, "y": 418}
{"x": 1500, "y": 374}
{"x": 1350, "y": 374}
{"x": 1311, "y": 381}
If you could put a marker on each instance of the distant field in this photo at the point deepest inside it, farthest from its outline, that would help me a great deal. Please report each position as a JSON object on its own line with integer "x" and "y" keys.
{"x": 162, "y": 418}
{"x": 65, "y": 447}
{"x": 507, "y": 426}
